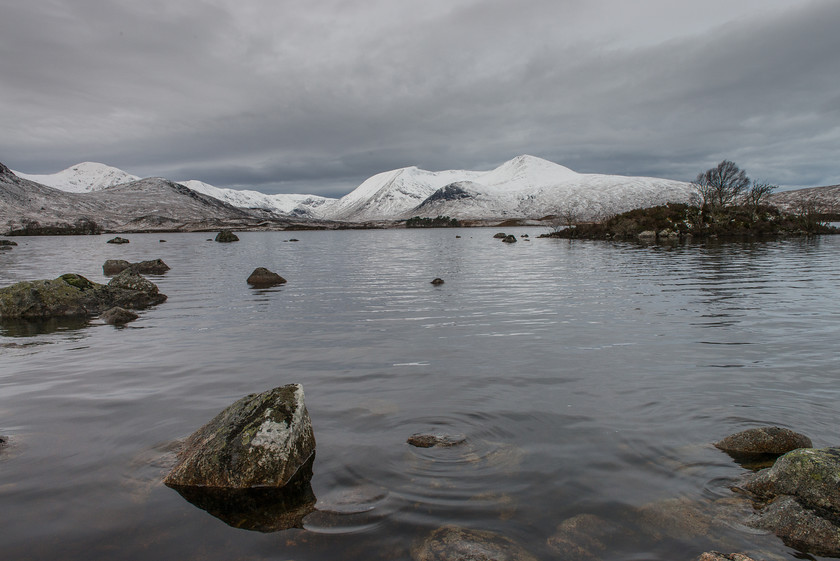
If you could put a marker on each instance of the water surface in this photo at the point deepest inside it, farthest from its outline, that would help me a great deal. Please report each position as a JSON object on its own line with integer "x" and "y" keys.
{"x": 587, "y": 377}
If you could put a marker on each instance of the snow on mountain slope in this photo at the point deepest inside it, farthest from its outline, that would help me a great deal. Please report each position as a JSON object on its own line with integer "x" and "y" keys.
{"x": 284, "y": 204}
{"x": 524, "y": 173}
{"x": 390, "y": 194}
{"x": 82, "y": 178}
{"x": 524, "y": 187}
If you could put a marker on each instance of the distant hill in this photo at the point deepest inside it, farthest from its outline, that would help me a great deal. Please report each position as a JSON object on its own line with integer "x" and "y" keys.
{"x": 825, "y": 200}
{"x": 82, "y": 178}
{"x": 142, "y": 205}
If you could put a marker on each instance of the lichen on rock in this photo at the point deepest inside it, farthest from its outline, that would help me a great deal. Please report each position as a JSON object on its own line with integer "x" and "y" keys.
{"x": 262, "y": 440}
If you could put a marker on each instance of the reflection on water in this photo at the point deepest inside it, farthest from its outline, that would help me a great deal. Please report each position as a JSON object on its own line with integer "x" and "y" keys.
{"x": 258, "y": 509}
{"x": 32, "y": 328}
{"x": 588, "y": 380}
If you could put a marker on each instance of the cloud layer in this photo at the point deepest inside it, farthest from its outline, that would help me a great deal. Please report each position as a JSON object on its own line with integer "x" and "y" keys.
{"x": 284, "y": 96}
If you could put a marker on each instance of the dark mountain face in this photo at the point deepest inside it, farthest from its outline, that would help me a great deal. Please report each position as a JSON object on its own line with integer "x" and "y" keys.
{"x": 452, "y": 192}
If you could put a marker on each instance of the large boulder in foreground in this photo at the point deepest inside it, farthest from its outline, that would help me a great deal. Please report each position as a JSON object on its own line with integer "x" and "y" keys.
{"x": 800, "y": 500}
{"x": 74, "y": 295}
{"x": 262, "y": 440}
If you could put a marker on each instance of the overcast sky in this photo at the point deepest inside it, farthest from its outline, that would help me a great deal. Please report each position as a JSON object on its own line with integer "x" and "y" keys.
{"x": 315, "y": 96}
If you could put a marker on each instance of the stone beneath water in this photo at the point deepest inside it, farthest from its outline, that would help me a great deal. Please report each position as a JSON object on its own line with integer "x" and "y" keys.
{"x": 800, "y": 500}
{"x": 74, "y": 295}
{"x": 509, "y": 239}
{"x": 718, "y": 556}
{"x": 118, "y": 316}
{"x": 437, "y": 281}
{"x": 118, "y": 240}
{"x": 152, "y": 267}
{"x": 452, "y": 543}
{"x": 226, "y": 236}
{"x": 262, "y": 440}
{"x": 262, "y": 278}
{"x": 500, "y": 235}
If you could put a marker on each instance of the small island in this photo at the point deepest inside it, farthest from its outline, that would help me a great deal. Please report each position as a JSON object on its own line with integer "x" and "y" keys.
{"x": 725, "y": 204}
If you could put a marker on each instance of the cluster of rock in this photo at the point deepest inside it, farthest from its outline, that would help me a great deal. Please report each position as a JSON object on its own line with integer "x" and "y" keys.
{"x": 118, "y": 240}
{"x": 74, "y": 295}
{"x": 507, "y": 238}
{"x": 6, "y": 244}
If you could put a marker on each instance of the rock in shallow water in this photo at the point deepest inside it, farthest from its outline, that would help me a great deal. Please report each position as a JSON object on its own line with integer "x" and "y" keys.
{"x": 152, "y": 267}
{"x": 118, "y": 316}
{"x": 262, "y": 440}
{"x": 74, "y": 295}
{"x": 430, "y": 440}
{"x": 764, "y": 440}
{"x": 800, "y": 500}
{"x": 226, "y": 236}
{"x": 263, "y": 278}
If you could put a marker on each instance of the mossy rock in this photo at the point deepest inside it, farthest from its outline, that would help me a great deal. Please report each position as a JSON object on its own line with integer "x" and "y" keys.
{"x": 261, "y": 440}
{"x": 74, "y": 295}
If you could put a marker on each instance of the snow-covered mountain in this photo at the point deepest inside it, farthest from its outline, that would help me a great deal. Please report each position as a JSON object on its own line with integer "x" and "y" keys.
{"x": 283, "y": 204}
{"x": 82, "y": 178}
{"x": 524, "y": 187}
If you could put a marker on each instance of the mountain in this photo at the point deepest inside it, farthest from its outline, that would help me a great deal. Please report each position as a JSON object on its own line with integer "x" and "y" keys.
{"x": 82, "y": 178}
{"x": 300, "y": 206}
{"x": 524, "y": 187}
{"x": 152, "y": 204}
{"x": 820, "y": 199}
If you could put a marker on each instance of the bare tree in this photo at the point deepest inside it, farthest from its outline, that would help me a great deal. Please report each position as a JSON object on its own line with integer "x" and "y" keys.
{"x": 757, "y": 194}
{"x": 722, "y": 185}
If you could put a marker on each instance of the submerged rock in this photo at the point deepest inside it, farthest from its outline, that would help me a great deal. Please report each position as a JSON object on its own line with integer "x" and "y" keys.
{"x": 500, "y": 235}
{"x": 583, "y": 537}
{"x": 118, "y": 240}
{"x": 118, "y": 316}
{"x": 440, "y": 440}
{"x": 718, "y": 556}
{"x": 7, "y": 243}
{"x": 509, "y": 239}
{"x": 226, "y": 236}
{"x": 262, "y": 278}
{"x": 452, "y": 543}
{"x": 152, "y": 267}
{"x": 262, "y": 440}
{"x": 437, "y": 281}
{"x": 800, "y": 500}
{"x": 74, "y": 295}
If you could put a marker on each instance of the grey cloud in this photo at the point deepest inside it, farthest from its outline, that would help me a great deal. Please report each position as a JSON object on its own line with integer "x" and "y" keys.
{"x": 272, "y": 97}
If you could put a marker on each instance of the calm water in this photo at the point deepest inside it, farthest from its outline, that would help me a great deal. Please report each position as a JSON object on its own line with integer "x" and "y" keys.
{"x": 587, "y": 377}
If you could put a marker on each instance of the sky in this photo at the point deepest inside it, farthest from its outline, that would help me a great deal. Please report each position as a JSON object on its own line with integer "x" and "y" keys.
{"x": 314, "y": 97}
